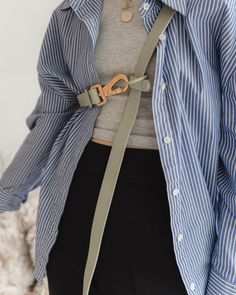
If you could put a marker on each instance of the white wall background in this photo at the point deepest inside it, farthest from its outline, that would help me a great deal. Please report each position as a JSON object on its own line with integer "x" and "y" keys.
{"x": 22, "y": 27}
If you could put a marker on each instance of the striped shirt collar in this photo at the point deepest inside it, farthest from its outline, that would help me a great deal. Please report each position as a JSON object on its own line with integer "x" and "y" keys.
{"x": 90, "y": 14}
{"x": 178, "y": 5}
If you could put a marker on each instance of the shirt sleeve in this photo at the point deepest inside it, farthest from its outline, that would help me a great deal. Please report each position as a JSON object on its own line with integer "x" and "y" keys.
{"x": 222, "y": 277}
{"x": 54, "y": 107}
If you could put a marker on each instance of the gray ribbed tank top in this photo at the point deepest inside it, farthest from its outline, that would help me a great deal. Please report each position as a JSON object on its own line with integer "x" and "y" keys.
{"x": 117, "y": 50}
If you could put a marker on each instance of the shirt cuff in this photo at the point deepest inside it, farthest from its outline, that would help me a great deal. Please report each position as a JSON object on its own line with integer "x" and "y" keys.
{"x": 8, "y": 201}
{"x": 218, "y": 285}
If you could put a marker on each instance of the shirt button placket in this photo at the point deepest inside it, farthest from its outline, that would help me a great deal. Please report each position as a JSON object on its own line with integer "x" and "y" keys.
{"x": 175, "y": 191}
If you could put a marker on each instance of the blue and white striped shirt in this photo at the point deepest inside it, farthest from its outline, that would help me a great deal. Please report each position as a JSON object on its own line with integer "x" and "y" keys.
{"x": 197, "y": 111}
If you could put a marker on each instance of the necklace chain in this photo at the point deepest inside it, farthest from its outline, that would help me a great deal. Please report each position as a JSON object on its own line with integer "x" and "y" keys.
{"x": 127, "y": 4}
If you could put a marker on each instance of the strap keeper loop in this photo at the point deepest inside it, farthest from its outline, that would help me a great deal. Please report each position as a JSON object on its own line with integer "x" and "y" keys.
{"x": 90, "y": 104}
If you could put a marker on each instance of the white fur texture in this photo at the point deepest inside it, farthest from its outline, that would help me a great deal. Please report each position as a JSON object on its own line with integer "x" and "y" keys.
{"x": 17, "y": 242}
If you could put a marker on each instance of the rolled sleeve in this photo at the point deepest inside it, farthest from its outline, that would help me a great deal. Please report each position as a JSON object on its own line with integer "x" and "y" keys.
{"x": 8, "y": 201}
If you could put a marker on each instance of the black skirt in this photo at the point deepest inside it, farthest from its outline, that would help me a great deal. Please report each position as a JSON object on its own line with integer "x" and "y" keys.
{"x": 136, "y": 255}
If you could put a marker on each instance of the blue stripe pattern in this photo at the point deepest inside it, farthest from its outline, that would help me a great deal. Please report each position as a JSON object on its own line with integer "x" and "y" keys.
{"x": 197, "y": 111}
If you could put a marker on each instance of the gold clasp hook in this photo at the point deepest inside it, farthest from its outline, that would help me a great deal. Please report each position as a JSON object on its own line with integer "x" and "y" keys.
{"x": 106, "y": 91}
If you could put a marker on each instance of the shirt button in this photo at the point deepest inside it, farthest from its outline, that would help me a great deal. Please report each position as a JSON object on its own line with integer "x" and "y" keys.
{"x": 163, "y": 87}
{"x": 175, "y": 191}
{"x": 162, "y": 37}
{"x": 180, "y": 237}
{"x": 146, "y": 6}
{"x": 167, "y": 139}
{"x": 192, "y": 286}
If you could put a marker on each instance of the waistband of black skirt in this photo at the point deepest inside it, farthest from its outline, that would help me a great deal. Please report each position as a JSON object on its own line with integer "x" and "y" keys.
{"x": 136, "y": 161}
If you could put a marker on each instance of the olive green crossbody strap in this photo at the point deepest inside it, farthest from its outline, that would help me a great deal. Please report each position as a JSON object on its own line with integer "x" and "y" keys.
{"x": 119, "y": 145}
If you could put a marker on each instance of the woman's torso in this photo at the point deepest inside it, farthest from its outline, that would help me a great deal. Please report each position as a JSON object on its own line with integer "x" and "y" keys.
{"x": 117, "y": 50}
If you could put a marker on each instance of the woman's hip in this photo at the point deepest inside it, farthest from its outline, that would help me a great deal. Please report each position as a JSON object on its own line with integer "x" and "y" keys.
{"x": 137, "y": 249}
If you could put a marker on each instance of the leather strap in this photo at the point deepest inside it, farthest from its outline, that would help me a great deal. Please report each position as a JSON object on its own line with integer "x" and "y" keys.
{"x": 91, "y": 96}
{"x": 119, "y": 146}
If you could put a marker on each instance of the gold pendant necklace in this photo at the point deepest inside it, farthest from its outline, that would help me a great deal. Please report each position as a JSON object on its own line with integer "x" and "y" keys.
{"x": 126, "y": 15}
